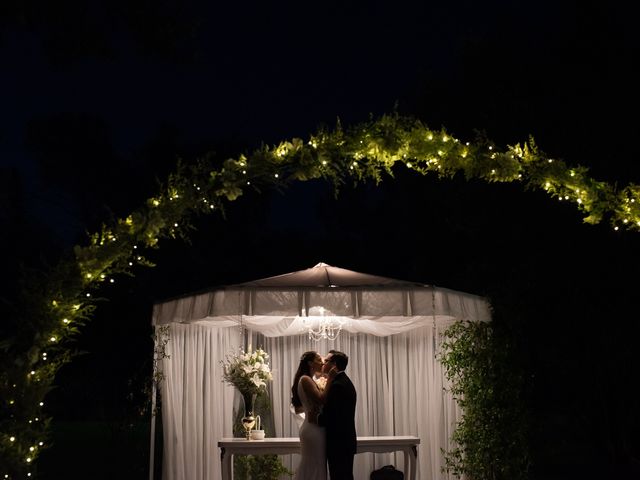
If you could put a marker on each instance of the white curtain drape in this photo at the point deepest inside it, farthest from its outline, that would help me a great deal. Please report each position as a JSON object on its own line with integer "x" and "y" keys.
{"x": 193, "y": 396}
{"x": 398, "y": 379}
{"x": 401, "y": 391}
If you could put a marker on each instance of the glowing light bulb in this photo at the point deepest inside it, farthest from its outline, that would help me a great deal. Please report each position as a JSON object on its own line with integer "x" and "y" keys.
{"x": 130, "y": 264}
{"x": 88, "y": 294}
{"x": 276, "y": 175}
{"x": 615, "y": 228}
{"x": 490, "y": 147}
{"x": 31, "y": 449}
{"x": 175, "y": 224}
{"x": 111, "y": 280}
{"x": 324, "y": 162}
{"x": 65, "y": 320}
{"x": 41, "y": 443}
{"x": 550, "y": 160}
{"x": 33, "y": 372}
{"x": 89, "y": 275}
{"x": 53, "y": 339}
{"x": 28, "y": 459}
{"x": 409, "y": 165}
{"x": 12, "y": 439}
{"x": 42, "y": 404}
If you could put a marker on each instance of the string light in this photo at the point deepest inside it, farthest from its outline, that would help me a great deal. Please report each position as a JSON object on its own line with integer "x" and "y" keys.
{"x": 505, "y": 162}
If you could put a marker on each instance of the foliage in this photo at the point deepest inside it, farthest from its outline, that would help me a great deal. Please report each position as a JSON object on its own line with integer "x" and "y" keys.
{"x": 57, "y": 303}
{"x": 248, "y": 372}
{"x": 490, "y": 440}
{"x": 259, "y": 467}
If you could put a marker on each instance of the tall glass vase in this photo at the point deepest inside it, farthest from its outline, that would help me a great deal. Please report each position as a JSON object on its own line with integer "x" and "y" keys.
{"x": 249, "y": 419}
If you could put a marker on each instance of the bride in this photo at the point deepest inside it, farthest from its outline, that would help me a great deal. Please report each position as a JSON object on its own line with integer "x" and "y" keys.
{"x": 308, "y": 398}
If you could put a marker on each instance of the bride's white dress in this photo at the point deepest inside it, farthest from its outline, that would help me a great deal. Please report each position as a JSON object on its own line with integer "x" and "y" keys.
{"x": 313, "y": 464}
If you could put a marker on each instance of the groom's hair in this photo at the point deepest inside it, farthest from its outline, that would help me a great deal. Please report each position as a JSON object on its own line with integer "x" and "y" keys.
{"x": 341, "y": 360}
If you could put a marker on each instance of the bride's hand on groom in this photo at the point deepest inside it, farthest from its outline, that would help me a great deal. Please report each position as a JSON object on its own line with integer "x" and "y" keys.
{"x": 331, "y": 374}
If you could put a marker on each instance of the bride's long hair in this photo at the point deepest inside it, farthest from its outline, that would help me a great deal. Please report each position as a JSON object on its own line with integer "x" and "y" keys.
{"x": 303, "y": 369}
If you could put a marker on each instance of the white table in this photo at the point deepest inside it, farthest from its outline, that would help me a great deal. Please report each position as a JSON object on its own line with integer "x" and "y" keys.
{"x": 281, "y": 446}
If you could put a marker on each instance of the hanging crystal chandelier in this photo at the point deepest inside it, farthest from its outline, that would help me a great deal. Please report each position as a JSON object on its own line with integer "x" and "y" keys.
{"x": 322, "y": 327}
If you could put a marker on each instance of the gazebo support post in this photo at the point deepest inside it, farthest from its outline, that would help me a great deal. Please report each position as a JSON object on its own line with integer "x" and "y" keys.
{"x": 152, "y": 440}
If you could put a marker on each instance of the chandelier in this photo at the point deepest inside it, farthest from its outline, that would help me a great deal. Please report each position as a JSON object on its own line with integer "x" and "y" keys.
{"x": 319, "y": 326}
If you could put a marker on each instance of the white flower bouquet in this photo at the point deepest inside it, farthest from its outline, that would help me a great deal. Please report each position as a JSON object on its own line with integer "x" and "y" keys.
{"x": 248, "y": 371}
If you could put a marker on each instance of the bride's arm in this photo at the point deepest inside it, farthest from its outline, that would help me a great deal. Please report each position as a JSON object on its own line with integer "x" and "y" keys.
{"x": 313, "y": 392}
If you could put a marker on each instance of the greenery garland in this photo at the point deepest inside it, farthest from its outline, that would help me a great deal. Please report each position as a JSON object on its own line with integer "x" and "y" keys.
{"x": 58, "y": 302}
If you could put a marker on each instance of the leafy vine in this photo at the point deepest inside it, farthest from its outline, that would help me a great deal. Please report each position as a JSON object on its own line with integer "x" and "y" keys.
{"x": 58, "y": 302}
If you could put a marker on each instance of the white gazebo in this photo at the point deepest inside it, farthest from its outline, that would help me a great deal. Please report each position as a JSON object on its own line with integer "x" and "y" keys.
{"x": 389, "y": 328}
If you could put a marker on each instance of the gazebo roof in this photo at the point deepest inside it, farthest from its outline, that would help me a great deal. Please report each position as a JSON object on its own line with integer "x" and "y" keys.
{"x": 326, "y": 276}
{"x": 279, "y": 305}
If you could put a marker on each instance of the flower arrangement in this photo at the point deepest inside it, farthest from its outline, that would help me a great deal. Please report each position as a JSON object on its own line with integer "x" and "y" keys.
{"x": 248, "y": 371}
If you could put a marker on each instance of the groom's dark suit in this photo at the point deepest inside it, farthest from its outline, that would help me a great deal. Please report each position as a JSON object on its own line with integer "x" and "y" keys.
{"x": 338, "y": 417}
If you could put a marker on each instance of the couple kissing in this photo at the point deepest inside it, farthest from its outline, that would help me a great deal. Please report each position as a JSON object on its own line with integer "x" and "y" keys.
{"x": 328, "y": 433}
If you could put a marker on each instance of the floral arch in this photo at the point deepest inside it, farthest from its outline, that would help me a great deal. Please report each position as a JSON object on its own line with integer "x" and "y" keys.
{"x": 62, "y": 300}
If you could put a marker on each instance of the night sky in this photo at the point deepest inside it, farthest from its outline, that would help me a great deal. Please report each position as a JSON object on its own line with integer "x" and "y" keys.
{"x": 99, "y": 100}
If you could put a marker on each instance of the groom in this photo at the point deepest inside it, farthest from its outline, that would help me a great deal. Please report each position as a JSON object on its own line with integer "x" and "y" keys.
{"x": 338, "y": 417}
